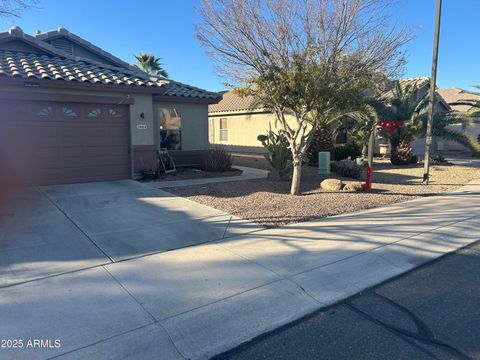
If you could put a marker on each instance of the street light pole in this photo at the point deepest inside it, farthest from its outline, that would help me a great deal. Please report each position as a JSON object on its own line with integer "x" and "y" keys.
{"x": 433, "y": 82}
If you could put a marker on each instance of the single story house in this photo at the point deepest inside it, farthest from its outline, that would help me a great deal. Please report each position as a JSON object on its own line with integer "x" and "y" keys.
{"x": 454, "y": 95}
{"x": 72, "y": 112}
{"x": 235, "y": 122}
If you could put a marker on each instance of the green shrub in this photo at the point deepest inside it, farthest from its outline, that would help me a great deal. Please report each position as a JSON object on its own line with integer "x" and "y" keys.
{"x": 348, "y": 168}
{"x": 217, "y": 160}
{"x": 346, "y": 151}
{"x": 278, "y": 152}
{"x": 440, "y": 159}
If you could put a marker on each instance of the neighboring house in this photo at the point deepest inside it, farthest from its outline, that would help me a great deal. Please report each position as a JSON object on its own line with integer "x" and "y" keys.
{"x": 422, "y": 84}
{"x": 235, "y": 122}
{"x": 71, "y": 112}
{"x": 453, "y": 95}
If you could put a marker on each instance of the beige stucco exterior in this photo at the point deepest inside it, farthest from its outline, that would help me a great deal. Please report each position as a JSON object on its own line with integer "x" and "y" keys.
{"x": 242, "y": 129}
{"x": 63, "y": 72}
{"x": 142, "y": 126}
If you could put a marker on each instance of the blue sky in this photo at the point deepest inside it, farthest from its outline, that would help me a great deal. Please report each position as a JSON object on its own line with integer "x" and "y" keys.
{"x": 165, "y": 27}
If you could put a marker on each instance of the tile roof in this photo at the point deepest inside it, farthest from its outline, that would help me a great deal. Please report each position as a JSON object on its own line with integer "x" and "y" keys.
{"x": 456, "y": 94}
{"x": 64, "y": 33}
{"x": 56, "y": 64}
{"x": 176, "y": 88}
{"x": 231, "y": 101}
{"x": 418, "y": 82}
{"x": 34, "y": 66}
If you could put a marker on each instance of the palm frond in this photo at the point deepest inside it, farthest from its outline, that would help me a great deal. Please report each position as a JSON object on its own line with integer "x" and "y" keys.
{"x": 459, "y": 137}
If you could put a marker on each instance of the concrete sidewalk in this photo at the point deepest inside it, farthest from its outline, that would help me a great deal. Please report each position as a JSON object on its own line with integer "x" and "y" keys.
{"x": 199, "y": 301}
{"x": 248, "y": 173}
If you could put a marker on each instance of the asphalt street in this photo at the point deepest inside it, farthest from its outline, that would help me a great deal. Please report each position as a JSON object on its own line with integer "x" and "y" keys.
{"x": 432, "y": 312}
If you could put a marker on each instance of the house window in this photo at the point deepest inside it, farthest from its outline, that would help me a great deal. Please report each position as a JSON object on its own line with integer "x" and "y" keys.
{"x": 45, "y": 112}
{"x": 114, "y": 113}
{"x": 342, "y": 136}
{"x": 170, "y": 128}
{"x": 211, "y": 130}
{"x": 223, "y": 130}
{"x": 94, "y": 113}
{"x": 68, "y": 112}
{"x": 344, "y": 129}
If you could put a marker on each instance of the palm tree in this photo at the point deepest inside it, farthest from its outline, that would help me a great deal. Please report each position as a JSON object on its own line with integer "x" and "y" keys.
{"x": 150, "y": 64}
{"x": 404, "y": 104}
{"x": 441, "y": 129}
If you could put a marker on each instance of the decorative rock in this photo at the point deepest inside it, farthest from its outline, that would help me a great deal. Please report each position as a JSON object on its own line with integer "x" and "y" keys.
{"x": 354, "y": 186}
{"x": 332, "y": 184}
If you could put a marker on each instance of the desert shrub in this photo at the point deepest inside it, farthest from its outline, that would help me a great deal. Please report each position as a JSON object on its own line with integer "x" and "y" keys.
{"x": 348, "y": 168}
{"x": 216, "y": 159}
{"x": 440, "y": 159}
{"x": 278, "y": 152}
{"x": 346, "y": 151}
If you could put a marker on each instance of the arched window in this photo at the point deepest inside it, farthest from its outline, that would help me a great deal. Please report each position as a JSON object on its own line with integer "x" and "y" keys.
{"x": 114, "y": 113}
{"x": 170, "y": 128}
{"x": 94, "y": 113}
{"x": 68, "y": 112}
{"x": 45, "y": 112}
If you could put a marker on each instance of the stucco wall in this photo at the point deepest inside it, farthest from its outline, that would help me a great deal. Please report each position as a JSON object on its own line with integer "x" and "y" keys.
{"x": 142, "y": 129}
{"x": 194, "y": 124}
{"x": 243, "y": 130}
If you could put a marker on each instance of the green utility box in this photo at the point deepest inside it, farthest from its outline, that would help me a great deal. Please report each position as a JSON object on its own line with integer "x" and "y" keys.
{"x": 324, "y": 163}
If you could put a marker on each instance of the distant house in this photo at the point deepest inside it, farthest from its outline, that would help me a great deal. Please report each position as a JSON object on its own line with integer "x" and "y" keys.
{"x": 72, "y": 112}
{"x": 453, "y": 95}
{"x": 235, "y": 121}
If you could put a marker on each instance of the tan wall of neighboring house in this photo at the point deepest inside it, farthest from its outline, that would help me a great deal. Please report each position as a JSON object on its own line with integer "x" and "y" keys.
{"x": 242, "y": 130}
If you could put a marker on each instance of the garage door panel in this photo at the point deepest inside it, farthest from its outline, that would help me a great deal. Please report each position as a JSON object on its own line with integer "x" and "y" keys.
{"x": 67, "y": 143}
{"x": 81, "y": 161}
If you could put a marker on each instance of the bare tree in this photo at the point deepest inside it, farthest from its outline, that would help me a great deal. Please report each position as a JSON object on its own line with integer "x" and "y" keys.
{"x": 13, "y": 8}
{"x": 306, "y": 58}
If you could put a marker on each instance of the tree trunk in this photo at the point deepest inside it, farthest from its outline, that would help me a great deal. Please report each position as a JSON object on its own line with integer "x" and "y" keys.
{"x": 364, "y": 151}
{"x": 297, "y": 174}
{"x": 322, "y": 141}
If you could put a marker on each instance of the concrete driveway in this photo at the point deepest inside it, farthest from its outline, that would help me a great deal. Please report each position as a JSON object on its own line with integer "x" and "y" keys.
{"x": 52, "y": 230}
{"x": 199, "y": 301}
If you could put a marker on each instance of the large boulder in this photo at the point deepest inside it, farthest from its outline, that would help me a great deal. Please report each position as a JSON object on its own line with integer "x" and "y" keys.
{"x": 354, "y": 186}
{"x": 331, "y": 184}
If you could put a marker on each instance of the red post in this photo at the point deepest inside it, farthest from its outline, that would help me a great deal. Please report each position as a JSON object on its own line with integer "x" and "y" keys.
{"x": 368, "y": 180}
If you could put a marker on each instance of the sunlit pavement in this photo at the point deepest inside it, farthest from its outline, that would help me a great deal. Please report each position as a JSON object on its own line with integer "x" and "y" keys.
{"x": 199, "y": 301}
{"x": 429, "y": 313}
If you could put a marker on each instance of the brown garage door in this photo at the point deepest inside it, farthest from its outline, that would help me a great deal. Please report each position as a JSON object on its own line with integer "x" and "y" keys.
{"x": 59, "y": 143}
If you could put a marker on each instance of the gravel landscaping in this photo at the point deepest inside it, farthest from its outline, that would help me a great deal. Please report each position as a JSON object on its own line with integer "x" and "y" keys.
{"x": 269, "y": 203}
